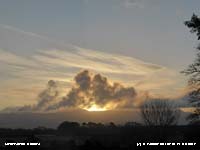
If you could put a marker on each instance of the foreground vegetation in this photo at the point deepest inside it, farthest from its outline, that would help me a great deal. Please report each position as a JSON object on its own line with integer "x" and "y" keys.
{"x": 90, "y": 136}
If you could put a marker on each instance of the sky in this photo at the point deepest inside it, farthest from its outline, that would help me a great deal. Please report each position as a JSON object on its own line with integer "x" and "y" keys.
{"x": 139, "y": 43}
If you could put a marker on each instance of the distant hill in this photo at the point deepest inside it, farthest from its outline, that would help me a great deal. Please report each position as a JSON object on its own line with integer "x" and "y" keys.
{"x": 52, "y": 120}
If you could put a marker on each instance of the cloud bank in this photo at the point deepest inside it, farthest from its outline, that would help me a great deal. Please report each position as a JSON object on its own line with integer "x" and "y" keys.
{"x": 95, "y": 89}
{"x": 89, "y": 89}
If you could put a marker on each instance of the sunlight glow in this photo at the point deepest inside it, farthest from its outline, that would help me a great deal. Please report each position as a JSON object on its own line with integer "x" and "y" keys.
{"x": 95, "y": 108}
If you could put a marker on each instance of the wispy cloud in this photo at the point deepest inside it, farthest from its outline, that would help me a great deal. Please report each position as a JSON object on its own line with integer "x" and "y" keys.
{"x": 30, "y": 34}
{"x": 13, "y": 59}
{"x": 98, "y": 61}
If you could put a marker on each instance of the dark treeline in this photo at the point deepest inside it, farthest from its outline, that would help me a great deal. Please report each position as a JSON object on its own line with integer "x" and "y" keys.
{"x": 89, "y": 136}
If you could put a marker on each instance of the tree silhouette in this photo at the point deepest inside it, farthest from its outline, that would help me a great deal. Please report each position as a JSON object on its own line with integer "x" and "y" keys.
{"x": 68, "y": 125}
{"x": 194, "y": 25}
{"x": 159, "y": 112}
{"x": 193, "y": 71}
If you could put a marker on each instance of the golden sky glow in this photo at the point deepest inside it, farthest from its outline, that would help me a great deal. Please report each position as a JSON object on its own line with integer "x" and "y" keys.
{"x": 95, "y": 107}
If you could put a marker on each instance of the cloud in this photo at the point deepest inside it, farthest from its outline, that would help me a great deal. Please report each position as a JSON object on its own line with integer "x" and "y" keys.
{"x": 51, "y": 94}
{"x": 61, "y": 65}
{"x": 89, "y": 89}
{"x": 13, "y": 59}
{"x": 30, "y": 34}
{"x": 162, "y": 83}
{"x": 48, "y": 95}
{"x": 51, "y": 60}
{"x": 94, "y": 60}
{"x": 95, "y": 89}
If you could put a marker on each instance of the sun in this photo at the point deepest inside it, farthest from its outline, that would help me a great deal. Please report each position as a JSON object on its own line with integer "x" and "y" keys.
{"x": 95, "y": 107}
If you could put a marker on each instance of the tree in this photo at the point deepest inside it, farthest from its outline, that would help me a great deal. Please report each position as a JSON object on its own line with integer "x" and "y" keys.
{"x": 112, "y": 125}
{"x": 194, "y": 25}
{"x": 193, "y": 71}
{"x": 68, "y": 125}
{"x": 159, "y": 112}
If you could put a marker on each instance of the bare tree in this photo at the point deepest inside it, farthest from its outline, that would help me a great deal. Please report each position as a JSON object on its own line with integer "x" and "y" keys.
{"x": 159, "y": 112}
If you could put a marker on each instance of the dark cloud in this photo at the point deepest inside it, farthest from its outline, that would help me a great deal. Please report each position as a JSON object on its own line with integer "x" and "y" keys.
{"x": 89, "y": 89}
{"x": 92, "y": 89}
{"x": 47, "y": 96}
{"x": 83, "y": 80}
